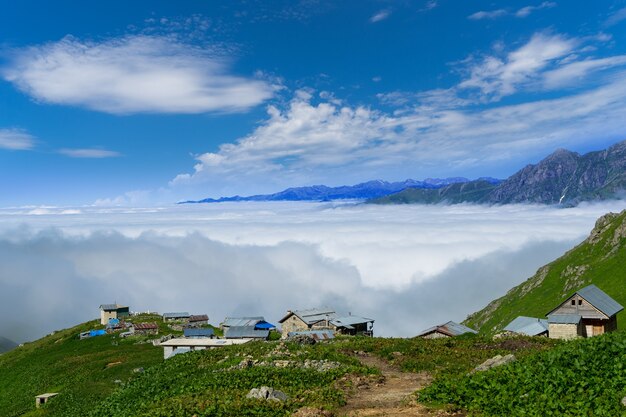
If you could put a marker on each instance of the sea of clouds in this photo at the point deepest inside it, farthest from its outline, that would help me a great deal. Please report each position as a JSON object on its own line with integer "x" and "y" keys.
{"x": 408, "y": 267}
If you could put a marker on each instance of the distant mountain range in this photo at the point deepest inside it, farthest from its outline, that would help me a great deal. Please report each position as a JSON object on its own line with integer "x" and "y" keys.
{"x": 564, "y": 177}
{"x": 364, "y": 191}
{"x": 6, "y": 344}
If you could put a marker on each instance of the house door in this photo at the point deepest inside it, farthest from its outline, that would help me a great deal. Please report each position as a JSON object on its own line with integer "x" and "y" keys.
{"x": 598, "y": 329}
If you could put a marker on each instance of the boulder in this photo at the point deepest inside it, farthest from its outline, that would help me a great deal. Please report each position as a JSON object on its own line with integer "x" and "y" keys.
{"x": 267, "y": 393}
{"x": 497, "y": 360}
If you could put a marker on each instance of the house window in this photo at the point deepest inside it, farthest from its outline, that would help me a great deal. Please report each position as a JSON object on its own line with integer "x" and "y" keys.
{"x": 580, "y": 302}
{"x": 573, "y": 302}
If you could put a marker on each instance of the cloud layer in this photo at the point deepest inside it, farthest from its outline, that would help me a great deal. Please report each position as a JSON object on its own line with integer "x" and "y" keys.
{"x": 16, "y": 140}
{"x": 432, "y": 264}
{"x": 133, "y": 74}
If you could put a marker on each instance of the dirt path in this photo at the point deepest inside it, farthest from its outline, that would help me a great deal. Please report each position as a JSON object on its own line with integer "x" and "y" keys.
{"x": 393, "y": 396}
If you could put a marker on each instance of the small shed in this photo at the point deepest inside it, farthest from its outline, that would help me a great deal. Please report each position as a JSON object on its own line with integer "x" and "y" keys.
{"x": 353, "y": 325}
{"x": 449, "y": 329}
{"x": 146, "y": 328}
{"x": 112, "y": 311}
{"x": 246, "y": 332}
{"x": 180, "y": 316}
{"x": 199, "y": 332}
{"x": 565, "y": 326}
{"x": 44, "y": 398}
{"x": 598, "y": 313}
{"x": 198, "y": 320}
{"x": 528, "y": 326}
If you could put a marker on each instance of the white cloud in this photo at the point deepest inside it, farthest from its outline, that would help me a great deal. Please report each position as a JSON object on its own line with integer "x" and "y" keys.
{"x": 520, "y": 13}
{"x": 432, "y": 263}
{"x": 89, "y": 153}
{"x": 381, "y": 15}
{"x": 133, "y": 74}
{"x": 493, "y": 14}
{"x": 497, "y": 77}
{"x": 526, "y": 11}
{"x": 16, "y": 140}
{"x": 616, "y": 17}
{"x": 574, "y": 73}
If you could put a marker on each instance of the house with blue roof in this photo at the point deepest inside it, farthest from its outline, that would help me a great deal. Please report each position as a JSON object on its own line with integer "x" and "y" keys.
{"x": 586, "y": 313}
{"x": 527, "y": 326}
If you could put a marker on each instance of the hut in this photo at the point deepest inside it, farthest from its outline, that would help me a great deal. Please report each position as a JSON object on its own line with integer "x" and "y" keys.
{"x": 257, "y": 321}
{"x": 310, "y": 319}
{"x": 246, "y": 332}
{"x": 527, "y": 326}
{"x": 112, "y": 311}
{"x": 198, "y": 320}
{"x": 180, "y": 316}
{"x": 449, "y": 329}
{"x": 146, "y": 328}
{"x": 353, "y": 325}
{"x": 44, "y": 398}
{"x": 586, "y": 313}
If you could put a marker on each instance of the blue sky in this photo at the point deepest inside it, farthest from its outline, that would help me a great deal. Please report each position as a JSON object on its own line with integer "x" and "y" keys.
{"x": 157, "y": 101}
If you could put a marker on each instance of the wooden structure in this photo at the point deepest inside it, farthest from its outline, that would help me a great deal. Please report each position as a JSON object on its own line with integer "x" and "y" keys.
{"x": 449, "y": 329}
{"x": 112, "y": 311}
{"x": 198, "y": 320}
{"x": 44, "y": 398}
{"x": 146, "y": 328}
{"x": 586, "y": 313}
{"x": 178, "y": 317}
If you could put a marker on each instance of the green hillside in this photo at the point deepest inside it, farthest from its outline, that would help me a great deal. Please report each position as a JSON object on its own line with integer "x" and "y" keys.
{"x": 83, "y": 371}
{"x": 599, "y": 260}
{"x": 473, "y": 191}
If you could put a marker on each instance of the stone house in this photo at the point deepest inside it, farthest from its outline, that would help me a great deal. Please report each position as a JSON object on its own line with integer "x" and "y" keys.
{"x": 112, "y": 311}
{"x": 146, "y": 328}
{"x": 325, "y": 319}
{"x": 586, "y": 313}
{"x": 449, "y": 329}
{"x": 198, "y": 320}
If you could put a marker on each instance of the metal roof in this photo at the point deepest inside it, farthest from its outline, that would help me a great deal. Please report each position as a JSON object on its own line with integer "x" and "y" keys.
{"x": 198, "y": 332}
{"x": 564, "y": 318}
{"x": 145, "y": 326}
{"x": 111, "y": 307}
{"x": 529, "y": 326}
{"x": 315, "y": 334}
{"x": 199, "y": 317}
{"x": 349, "y": 321}
{"x": 242, "y": 321}
{"x": 312, "y": 315}
{"x": 242, "y": 332}
{"x": 600, "y": 300}
{"x": 182, "y": 315}
{"x": 450, "y": 328}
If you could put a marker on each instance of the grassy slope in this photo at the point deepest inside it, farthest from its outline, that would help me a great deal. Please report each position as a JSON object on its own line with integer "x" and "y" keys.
{"x": 75, "y": 368}
{"x": 584, "y": 377}
{"x": 599, "y": 260}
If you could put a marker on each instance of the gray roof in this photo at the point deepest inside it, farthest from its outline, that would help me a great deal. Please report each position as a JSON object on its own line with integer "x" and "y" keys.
{"x": 245, "y": 332}
{"x": 242, "y": 321}
{"x": 564, "y": 318}
{"x": 529, "y": 326}
{"x": 191, "y": 332}
{"x": 349, "y": 321}
{"x": 111, "y": 307}
{"x": 600, "y": 300}
{"x": 313, "y": 315}
{"x": 182, "y": 315}
{"x": 450, "y": 328}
